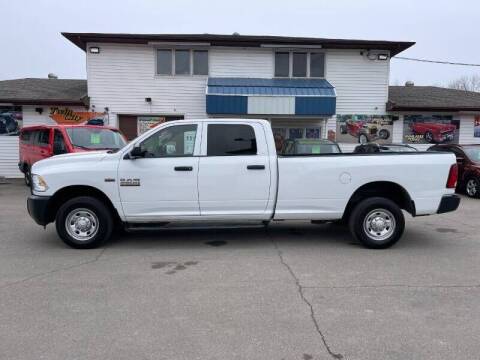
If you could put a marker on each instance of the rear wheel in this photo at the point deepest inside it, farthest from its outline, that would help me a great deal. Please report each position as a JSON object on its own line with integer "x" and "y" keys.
{"x": 384, "y": 134}
{"x": 84, "y": 222}
{"x": 472, "y": 187}
{"x": 377, "y": 223}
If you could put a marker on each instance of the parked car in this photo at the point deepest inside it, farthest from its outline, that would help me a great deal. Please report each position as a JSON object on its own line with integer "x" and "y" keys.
{"x": 434, "y": 132}
{"x": 8, "y": 124}
{"x": 227, "y": 171}
{"x": 43, "y": 141}
{"x": 376, "y": 148}
{"x": 365, "y": 131}
{"x": 310, "y": 146}
{"x": 468, "y": 160}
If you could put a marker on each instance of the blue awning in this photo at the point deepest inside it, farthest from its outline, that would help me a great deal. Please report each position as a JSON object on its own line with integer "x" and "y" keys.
{"x": 270, "y": 96}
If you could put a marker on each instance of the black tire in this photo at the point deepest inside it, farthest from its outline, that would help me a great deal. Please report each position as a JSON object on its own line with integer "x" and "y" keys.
{"x": 364, "y": 137}
{"x": 473, "y": 192}
{"x": 367, "y": 209}
{"x": 429, "y": 137}
{"x": 384, "y": 134}
{"x": 103, "y": 222}
{"x": 27, "y": 176}
{"x": 343, "y": 129}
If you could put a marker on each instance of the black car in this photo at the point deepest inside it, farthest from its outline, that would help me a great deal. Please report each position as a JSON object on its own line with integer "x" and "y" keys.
{"x": 376, "y": 148}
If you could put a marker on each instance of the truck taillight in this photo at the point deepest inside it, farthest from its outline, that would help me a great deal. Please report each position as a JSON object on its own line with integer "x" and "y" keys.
{"x": 452, "y": 177}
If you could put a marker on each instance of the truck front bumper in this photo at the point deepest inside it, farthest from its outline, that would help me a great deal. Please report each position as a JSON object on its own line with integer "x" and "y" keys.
{"x": 38, "y": 209}
{"x": 448, "y": 203}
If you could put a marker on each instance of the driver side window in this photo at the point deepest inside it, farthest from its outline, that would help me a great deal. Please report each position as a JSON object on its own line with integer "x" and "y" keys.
{"x": 173, "y": 141}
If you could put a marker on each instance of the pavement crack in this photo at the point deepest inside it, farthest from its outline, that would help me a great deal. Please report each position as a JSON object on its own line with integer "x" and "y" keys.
{"x": 301, "y": 292}
{"x": 473, "y": 286}
{"x": 47, "y": 273}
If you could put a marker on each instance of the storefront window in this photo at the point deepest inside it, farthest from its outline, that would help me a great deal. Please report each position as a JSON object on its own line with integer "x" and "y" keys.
{"x": 11, "y": 120}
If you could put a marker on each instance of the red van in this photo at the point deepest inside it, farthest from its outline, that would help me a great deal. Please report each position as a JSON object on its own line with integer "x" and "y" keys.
{"x": 42, "y": 141}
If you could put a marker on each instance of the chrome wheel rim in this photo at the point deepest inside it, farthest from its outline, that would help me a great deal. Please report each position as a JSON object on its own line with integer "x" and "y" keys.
{"x": 472, "y": 187}
{"x": 82, "y": 224}
{"x": 379, "y": 224}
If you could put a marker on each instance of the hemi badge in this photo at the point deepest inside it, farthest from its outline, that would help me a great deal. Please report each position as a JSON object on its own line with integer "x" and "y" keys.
{"x": 109, "y": 180}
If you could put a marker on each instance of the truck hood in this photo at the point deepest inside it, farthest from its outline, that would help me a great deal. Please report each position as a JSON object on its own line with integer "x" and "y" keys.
{"x": 70, "y": 158}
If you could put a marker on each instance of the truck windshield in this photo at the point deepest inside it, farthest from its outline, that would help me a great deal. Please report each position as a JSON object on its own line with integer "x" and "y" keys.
{"x": 95, "y": 138}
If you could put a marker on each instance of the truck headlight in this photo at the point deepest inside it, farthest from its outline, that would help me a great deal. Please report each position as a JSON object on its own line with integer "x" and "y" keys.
{"x": 38, "y": 183}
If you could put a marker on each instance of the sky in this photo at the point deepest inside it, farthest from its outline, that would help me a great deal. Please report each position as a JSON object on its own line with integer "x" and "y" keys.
{"x": 443, "y": 30}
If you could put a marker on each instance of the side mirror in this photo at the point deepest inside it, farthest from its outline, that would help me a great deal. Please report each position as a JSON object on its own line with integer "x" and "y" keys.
{"x": 460, "y": 160}
{"x": 137, "y": 152}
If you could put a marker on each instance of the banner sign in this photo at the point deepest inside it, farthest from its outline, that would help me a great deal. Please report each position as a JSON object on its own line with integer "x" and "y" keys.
{"x": 145, "y": 123}
{"x": 364, "y": 128}
{"x": 11, "y": 120}
{"x": 430, "y": 129}
{"x": 67, "y": 116}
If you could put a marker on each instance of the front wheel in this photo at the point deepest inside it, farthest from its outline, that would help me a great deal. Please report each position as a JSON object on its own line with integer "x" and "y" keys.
{"x": 472, "y": 187}
{"x": 362, "y": 138}
{"x": 84, "y": 222}
{"x": 377, "y": 223}
{"x": 27, "y": 176}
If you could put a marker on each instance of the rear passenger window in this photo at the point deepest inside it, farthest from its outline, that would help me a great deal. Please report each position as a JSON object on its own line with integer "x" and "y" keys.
{"x": 42, "y": 138}
{"x": 231, "y": 140}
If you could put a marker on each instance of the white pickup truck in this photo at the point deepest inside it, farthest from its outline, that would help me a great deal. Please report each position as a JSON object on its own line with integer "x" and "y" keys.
{"x": 227, "y": 171}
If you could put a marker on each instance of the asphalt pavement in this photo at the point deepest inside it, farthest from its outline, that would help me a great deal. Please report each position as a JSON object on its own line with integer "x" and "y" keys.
{"x": 292, "y": 291}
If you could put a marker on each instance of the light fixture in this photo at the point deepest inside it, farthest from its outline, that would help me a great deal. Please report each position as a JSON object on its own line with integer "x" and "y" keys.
{"x": 39, "y": 110}
{"x": 94, "y": 50}
{"x": 382, "y": 57}
{"x": 148, "y": 99}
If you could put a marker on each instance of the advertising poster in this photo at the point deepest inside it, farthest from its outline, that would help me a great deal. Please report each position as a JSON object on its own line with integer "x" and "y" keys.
{"x": 11, "y": 120}
{"x": 430, "y": 129}
{"x": 364, "y": 128}
{"x": 476, "y": 126}
{"x": 145, "y": 123}
{"x": 67, "y": 116}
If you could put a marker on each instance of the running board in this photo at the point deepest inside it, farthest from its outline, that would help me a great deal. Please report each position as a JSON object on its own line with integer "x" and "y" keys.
{"x": 131, "y": 227}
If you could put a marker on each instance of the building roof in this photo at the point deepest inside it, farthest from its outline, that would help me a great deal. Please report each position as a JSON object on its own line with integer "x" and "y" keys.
{"x": 431, "y": 98}
{"x": 43, "y": 91}
{"x": 270, "y": 87}
{"x": 81, "y": 39}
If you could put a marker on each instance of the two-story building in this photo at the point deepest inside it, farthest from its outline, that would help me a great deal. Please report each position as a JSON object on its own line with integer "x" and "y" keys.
{"x": 302, "y": 85}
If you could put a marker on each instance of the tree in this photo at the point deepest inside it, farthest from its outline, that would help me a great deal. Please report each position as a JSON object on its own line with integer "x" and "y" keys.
{"x": 467, "y": 83}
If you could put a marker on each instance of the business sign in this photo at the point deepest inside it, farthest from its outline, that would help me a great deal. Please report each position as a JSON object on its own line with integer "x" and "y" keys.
{"x": 67, "y": 116}
{"x": 430, "y": 129}
{"x": 364, "y": 128}
{"x": 11, "y": 120}
{"x": 476, "y": 126}
{"x": 145, "y": 123}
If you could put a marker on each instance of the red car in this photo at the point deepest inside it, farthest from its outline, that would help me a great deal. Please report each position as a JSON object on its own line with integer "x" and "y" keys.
{"x": 468, "y": 161}
{"x": 434, "y": 132}
{"x": 43, "y": 141}
{"x": 364, "y": 131}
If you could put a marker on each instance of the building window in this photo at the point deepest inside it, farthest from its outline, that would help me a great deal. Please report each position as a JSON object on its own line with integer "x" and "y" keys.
{"x": 300, "y": 64}
{"x": 200, "y": 62}
{"x": 164, "y": 62}
{"x": 182, "y": 62}
{"x": 282, "y": 64}
{"x": 317, "y": 64}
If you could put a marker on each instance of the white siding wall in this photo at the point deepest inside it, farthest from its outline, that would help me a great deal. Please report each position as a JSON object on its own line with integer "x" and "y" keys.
{"x": 122, "y": 76}
{"x": 9, "y": 156}
{"x": 361, "y": 84}
{"x": 240, "y": 62}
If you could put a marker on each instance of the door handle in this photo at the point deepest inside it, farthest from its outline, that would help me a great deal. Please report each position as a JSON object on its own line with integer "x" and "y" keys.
{"x": 183, "y": 168}
{"x": 256, "y": 167}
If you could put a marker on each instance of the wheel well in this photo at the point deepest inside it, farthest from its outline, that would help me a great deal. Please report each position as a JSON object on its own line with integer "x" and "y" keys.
{"x": 386, "y": 189}
{"x": 69, "y": 192}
